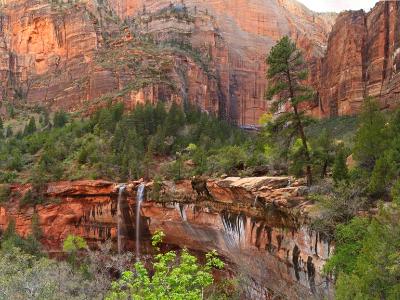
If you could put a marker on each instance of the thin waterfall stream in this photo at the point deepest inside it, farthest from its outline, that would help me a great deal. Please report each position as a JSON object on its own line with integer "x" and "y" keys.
{"x": 121, "y": 190}
{"x": 139, "y": 200}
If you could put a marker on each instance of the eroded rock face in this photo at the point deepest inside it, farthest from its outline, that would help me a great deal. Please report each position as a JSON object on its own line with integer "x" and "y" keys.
{"x": 258, "y": 225}
{"x": 77, "y": 57}
{"x": 48, "y": 52}
{"x": 238, "y": 35}
{"x": 362, "y": 59}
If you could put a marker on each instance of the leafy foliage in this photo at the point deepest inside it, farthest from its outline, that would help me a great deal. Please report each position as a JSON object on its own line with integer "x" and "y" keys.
{"x": 367, "y": 257}
{"x": 340, "y": 170}
{"x": 371, "y": 138}
{"x": 175, "y": 277}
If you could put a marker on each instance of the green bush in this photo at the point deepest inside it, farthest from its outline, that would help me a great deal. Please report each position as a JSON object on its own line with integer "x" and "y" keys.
{"x": 174, "y": 277}
{"x": 5, "y": 192}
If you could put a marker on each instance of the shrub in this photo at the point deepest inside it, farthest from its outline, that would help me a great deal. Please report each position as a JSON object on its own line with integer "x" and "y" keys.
{"x": 176, "y": 276}
{"x": 340, "y": 170}
{"x": 5, "y": 192}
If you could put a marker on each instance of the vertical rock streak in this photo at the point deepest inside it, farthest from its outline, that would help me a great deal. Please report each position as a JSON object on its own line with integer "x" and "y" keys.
{"x": 139, "y": 200}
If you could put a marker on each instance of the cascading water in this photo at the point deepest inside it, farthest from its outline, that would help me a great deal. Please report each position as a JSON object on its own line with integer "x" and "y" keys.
{"x": 234, "y": 229}
{"x": 121, "y": 190}
{"x": 139, "y": 200}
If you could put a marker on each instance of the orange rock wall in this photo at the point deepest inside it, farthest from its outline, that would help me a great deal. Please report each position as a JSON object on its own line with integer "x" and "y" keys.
{"x": 362, "y": 59}
{"x": 248, "y": 221}
{"x": 47, "y": 52}
{"x": 248, "y": 30}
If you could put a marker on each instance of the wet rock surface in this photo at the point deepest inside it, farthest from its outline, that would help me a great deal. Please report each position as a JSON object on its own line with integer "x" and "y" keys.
{"x": 247, "y": 220}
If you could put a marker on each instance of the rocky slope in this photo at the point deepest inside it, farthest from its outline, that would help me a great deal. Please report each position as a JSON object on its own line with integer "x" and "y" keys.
{"x": 362, "y": 59}
{"x": 72, "y": 56}
{"x": 258, "y": 225}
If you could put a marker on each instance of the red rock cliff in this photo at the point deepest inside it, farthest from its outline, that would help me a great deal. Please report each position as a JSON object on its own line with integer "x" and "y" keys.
{"x": 362, "y": 59}
{"x": 257, "y": 224}
{"x": 50, "y": 54}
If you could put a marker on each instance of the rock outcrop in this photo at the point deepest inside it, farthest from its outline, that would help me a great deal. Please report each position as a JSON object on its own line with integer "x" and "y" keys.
{"x": 362, "y": 59}
{"x": 258, "y": 225}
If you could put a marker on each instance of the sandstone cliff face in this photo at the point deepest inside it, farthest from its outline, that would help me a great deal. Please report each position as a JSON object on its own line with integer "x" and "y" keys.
{"x": 256, "y": 224}
{"x": 362, "y": 59}
{"x": 78, "y": 56}
{"x": 239, "y": 38}
{"x": 48, "y": 52}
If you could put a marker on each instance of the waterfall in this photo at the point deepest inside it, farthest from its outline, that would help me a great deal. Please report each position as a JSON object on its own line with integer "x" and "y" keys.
{"x": 182, "y": 211}
{"x": 139, "y": 200}
{"x": 234, "y": 229}
{"x": 121, "y": 190}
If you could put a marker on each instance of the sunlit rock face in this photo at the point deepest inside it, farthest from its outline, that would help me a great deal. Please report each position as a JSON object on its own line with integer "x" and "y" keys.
{"x": 239, "y": 34}
{"x": 362, "y": 59}
{"x": 258, "y": 225}
{"x": 70, "y": 56}
{"x": 48, "y": 52}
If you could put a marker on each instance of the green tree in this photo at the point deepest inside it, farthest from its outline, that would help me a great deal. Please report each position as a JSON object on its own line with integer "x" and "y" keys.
{"x": 323, "y": 151}
{"x": 367, "y": 259}
{"x": 72, "y": 245}
{"x": 340, "y": 170}
{"x": 60, "y": 119}
{"x": 9, "y": 131}
{"x": 287, "y": 70}
{"x": 1, "y": 128}
{"x": 31, "y": 127}
{"x": 371, "y": 137}
{"x": 178, "y": 277}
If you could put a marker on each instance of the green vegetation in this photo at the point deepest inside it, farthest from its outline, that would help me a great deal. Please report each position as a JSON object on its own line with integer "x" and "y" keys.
{"x": 26, "y": 273}
{"x": 366, "y": 257}
{"x": 175, "y": 277}
{"x": 122, "y": 145}
{"x": 287, "y": 70}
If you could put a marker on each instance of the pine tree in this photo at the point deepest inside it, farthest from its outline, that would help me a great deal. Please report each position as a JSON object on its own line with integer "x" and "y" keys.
{"x": 31, "y": 127}
{"x": 1, "y": 128}
{"x": 340, "y": 170}
{"x": 60, "y": 119}
{"x": 371, "y": 137}
{"x": 9, "y": 131}
{"x": 286, "y": 72}
{"x": 323, "y": 152}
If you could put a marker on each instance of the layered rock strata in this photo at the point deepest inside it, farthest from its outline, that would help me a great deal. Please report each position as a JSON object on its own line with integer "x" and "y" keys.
{"x": 258, "y": 225}
{"x": 50, "y": 52}
{"x": 362, "y": 59}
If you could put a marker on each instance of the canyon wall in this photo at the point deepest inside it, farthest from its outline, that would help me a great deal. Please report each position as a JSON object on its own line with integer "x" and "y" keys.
{"x": 77, "y": 56}
{"x": 239, "y": 36}
{"x": 63, "y": 55}
{"x": 362, "y": 59}
{"x": 258, "y": 225}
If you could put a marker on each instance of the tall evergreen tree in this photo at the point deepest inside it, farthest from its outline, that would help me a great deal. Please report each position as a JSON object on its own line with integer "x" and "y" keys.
{"x": 31, "y": 127}
{"x": 340, "y": 170}
{"x": 371, "y": 137}
{"x": 1, "y": 128}
{"x": 287, "y": 71}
